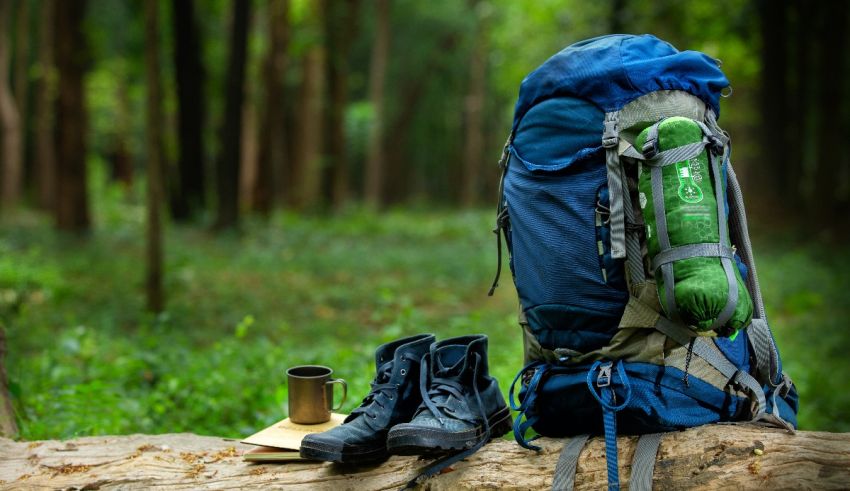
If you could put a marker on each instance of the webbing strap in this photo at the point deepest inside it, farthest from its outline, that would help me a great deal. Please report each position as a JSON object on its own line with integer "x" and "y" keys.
{"x": 609, "y": 420}
{"x": 723, "y": 230}
{"x": 602, "y": 388}
{"x": 565, "y": 470}
{"x": 617, "y": 220}
{"x": 678, "y": 154}
{"x": 502, "y": 216}
{"x": 709, "y": 249}
{"x": 768, "y": 366}
{"x": 643, "y": 463}
{"x": 702, "y": 348}
{"x": 656, "y": 181}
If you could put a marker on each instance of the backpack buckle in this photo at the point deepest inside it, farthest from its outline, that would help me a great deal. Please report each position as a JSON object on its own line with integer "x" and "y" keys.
{"x": 604, "y": 377}
{"x": 650, "y": 149}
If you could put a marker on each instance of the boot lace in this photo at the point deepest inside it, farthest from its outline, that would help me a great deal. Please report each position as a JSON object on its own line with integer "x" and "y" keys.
{"x": 435, "y": 400}
{"x": 382, "y": 392}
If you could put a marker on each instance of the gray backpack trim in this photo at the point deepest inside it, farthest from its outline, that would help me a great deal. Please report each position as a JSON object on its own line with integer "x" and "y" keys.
{"x": 643, "y": 463}
{"x": 565, "y": 470}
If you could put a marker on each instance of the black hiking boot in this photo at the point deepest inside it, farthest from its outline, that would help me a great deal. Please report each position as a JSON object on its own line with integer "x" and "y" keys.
{"x": 462, "y": 407}
{"x": 362, "y": 438}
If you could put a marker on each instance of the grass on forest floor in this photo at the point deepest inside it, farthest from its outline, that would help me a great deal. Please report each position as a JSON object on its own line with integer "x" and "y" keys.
{"x": 85, "y": 359}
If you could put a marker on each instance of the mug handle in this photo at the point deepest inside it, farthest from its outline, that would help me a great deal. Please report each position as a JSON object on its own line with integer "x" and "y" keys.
{"x": 344, "y": 391}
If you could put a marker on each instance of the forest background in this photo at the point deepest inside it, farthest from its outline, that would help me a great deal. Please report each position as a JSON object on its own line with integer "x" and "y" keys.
{"x": 197, "y": 194}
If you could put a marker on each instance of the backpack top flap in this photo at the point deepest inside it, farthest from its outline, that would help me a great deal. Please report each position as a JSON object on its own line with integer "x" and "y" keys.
{"x": 610, "y": 71}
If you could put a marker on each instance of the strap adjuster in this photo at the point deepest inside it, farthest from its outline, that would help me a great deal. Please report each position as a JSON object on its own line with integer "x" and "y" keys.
{"x": 604, "y": 377}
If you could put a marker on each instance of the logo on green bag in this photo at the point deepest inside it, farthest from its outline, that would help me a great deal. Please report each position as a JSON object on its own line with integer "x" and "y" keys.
{"x": 689, "y": 191}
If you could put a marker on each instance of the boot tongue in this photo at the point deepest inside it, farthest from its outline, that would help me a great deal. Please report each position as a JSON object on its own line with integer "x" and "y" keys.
{"x": 449, "y": 359}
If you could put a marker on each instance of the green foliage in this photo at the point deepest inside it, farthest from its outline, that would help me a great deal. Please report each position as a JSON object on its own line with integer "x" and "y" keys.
{"x": 85, "y": 359}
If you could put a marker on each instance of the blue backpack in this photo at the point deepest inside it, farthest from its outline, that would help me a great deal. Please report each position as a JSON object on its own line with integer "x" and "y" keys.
{"x": 601, "y": 356}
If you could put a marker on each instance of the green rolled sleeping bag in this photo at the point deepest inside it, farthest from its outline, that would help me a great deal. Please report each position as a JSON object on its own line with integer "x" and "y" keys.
{"x": 701, "y": 284}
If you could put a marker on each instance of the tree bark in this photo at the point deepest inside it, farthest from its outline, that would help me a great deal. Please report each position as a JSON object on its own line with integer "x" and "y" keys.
{"x": 153, "y": 120}
{"x": 72, "y": 209}
{"x": 473, "y": 145}
{"x": 227, "y": 174}
{"x": 374, "y": 178}
{"x": 11, "y": 140}
{"x": 339, "y": 22}
{"x": 190, "y": 192}
{"x": 310, "y": 130}
{"x": 272, "y": 179}
{"x": 45, "y": 145}
{"x": 708, "y": 457}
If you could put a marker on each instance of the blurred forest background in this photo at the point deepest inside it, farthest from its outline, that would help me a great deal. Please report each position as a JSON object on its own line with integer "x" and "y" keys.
{"x": 197, "y": 194}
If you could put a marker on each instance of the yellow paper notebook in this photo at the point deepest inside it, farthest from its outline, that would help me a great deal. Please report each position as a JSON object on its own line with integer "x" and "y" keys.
{"x": 285, "y": 435}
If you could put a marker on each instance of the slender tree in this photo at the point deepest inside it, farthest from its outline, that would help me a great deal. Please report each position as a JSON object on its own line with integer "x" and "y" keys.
{"x": 310, "y": 131}
{"x": 153, "y": 129}
{"x": 22, "y": 72}
{"x": 45, "y": 149}
{"x": 227, "y": 168}
{"x": 374, "y": 178}
{"x": 825, "y": 201}
{"x": 774, "y": 87}
{"x": 189, "y": 195}
{"x": 618, "y": 16}
{"x": 473, "y": 147}
{"x": 8, "y": 426}
{"x": 72, "y": 210}
{"x": 339, "y": 22}
{"x": 274, "y": 141}
{"x": 11, "y": 138}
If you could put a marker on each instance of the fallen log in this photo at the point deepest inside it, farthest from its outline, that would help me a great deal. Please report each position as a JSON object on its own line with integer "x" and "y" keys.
{"x": 709, "y": 457}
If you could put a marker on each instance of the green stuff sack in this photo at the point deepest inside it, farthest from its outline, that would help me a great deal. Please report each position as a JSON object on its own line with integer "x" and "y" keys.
{"x": 702, "y": 275}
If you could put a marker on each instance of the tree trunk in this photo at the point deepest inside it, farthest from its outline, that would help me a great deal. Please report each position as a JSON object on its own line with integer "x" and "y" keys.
{"x": 120, "y": 159}
{"x": 800, "y": 131}
{"x": 707, "y": 457}
{"x": 774, "y": 158}
{"x": 227, "y": 174}
{"x": 473, "y": 147}
{"x": 8, "y": 427}
{"x": 153, "y": 120}
{"x": 22, "y": 72}
{"x": 11, "y": 140}
{"x": 248, "y": 161}
{"x": 72, "y": 209}
{"x": 190, "y": 192}
{"x": 617, "y": 21}
{"x": 45, "y": 144}
{"x": 339, "y": 21}
{"x": 374, "y": 178}
{"x": 310, "y": 130}
{"x": 399, "y": 169}
{"x": 274, "y": 139}
{"x": 825, "y": 204}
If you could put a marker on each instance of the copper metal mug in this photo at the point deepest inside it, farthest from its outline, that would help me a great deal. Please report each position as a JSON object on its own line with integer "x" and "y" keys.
{"x": 311, "y": 394}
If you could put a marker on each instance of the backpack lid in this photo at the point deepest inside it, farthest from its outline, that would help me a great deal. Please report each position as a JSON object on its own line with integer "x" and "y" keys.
{"x": 611, "y": 71}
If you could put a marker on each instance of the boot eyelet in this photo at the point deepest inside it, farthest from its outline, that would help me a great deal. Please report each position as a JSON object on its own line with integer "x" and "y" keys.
{"x": 374, "y": 416}
{"x": 403, "y": 371}
{"x": 390, "y": 397}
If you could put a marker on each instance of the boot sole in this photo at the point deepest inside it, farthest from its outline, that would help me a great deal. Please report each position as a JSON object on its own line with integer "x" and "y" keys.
{"x": 427, "y": 441}
{"x": 353, "y": 457}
